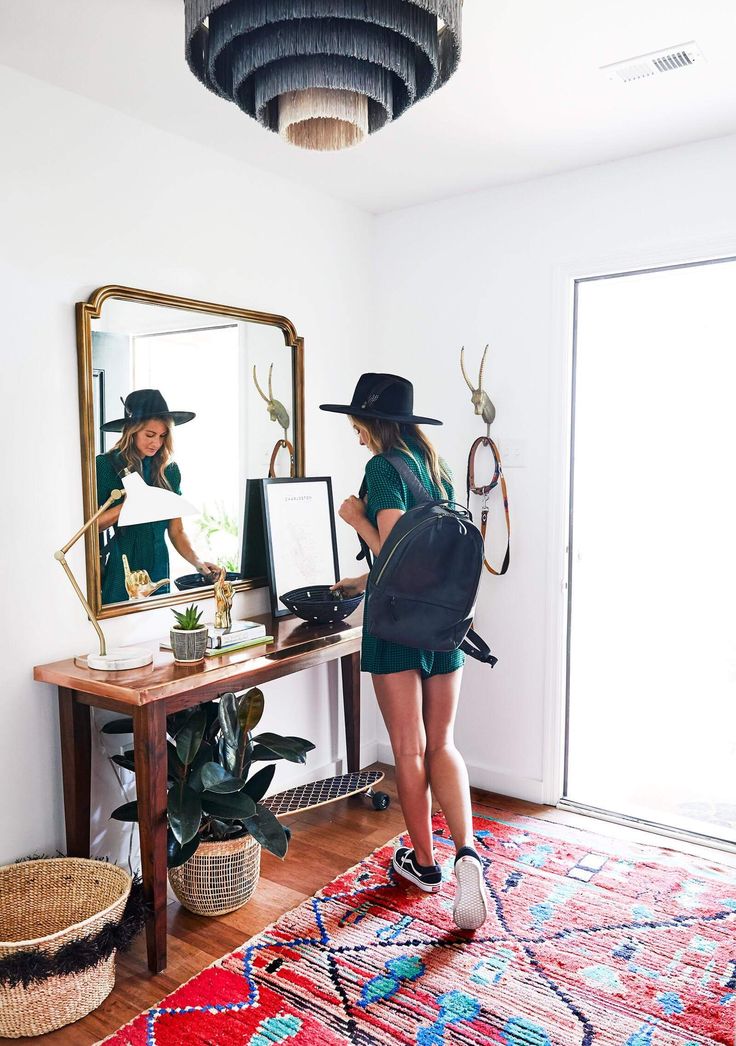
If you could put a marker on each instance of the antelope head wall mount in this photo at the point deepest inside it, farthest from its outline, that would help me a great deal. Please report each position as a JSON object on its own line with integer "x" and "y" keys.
{"x": 276, "y": 410}
{"x": 481, "y": 400}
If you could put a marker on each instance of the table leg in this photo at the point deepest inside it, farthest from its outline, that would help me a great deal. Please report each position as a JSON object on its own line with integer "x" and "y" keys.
{"x": 149, "y": 743}
{"x": 76, "y": 756}
{"x": 350, "y": 665}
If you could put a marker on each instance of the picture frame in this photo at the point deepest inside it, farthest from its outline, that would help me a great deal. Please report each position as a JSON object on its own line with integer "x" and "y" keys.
{"x": 300, "y": 535}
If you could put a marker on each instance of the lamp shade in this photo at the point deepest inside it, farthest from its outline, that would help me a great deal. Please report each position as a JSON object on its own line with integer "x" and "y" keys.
{"x": 145, "y": 504}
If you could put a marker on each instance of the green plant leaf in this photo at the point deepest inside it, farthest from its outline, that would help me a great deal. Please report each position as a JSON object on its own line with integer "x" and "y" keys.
{"x": 230, "y": 732}
{"x": 175, "y": 769}
{"x": 185, "y": 812}
{"x": 228, "y": 807}
{"x": 190, "y": 736}
{"x": 268, "y": 830}
{"x": 261, "y": 754}
{"x": 257, "y": 785}
{"x": 125, "y": 760}
{"x": 126, "y": 812}
{"x": 218, "y": 829}
{"x": 215, "y": 778}
{"x": 250, "y": 709}
{"x": 211, "y": 711}
{"x": 176, "y": 854}
{"x": 119, "y": 726}
{"x": 294, "y": 749}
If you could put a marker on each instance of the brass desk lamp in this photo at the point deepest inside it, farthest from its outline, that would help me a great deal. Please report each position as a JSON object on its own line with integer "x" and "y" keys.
{"x": 143, "y": 504}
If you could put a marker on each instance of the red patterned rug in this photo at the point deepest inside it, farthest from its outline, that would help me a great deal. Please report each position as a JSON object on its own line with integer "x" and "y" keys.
{"x": 590, "y": 941}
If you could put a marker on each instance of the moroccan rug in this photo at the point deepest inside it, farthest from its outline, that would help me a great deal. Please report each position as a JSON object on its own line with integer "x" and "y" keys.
{"x": 589, "y": 940}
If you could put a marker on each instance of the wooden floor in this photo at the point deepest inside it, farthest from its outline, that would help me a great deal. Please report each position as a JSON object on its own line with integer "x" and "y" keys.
{"x": 324, "y": 843}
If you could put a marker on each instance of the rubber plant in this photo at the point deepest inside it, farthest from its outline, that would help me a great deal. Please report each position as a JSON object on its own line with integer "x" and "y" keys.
{"x": 212, "y": 793}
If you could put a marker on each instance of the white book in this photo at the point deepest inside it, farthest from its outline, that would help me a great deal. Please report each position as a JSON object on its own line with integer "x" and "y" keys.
{"x": 237, "y": 633}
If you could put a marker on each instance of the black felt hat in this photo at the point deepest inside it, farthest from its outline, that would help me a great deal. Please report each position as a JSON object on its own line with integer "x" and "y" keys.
{"x": 386, "y": 397}
{"x": 143, "y": 404}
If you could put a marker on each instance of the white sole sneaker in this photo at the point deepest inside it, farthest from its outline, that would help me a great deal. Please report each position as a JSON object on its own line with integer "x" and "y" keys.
{"x": 470, "y": 908}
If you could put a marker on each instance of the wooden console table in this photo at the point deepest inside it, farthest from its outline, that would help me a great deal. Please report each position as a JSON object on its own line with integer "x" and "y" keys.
{"x": 149, "y": 695}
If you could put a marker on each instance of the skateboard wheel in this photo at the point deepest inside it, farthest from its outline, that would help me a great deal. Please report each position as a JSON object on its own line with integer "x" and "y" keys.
{"x": 380, "y": 800}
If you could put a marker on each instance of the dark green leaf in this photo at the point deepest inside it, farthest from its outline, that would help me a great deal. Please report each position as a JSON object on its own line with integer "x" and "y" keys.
{"x": 185, "y": 812}
{"x": 250, "y": 710}
{"x": 119, "y": 726}
{"x": 260, "y": 754}
{"x": 215, "y": 778}
{"x": 177, "y": 854}
{"x": 175, "y": 768}
{"x": 228, "y": 807}
{"x": 231, "y": 733}
{"x": 257, "y": 785}
{"x": 268, "y": 830}
{"x": 218, "y": 829}
{"x": 125, "y": 760}
{"x": 176, "y": 721}
{"x": 189, "y": 738}
{"x": 292, "y": 748}
{"x": 211, "y": 710}
{"x": 126, "y": 812}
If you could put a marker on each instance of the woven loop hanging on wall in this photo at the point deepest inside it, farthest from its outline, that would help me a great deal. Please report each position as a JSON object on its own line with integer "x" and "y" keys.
{"x": 323, "y": 73}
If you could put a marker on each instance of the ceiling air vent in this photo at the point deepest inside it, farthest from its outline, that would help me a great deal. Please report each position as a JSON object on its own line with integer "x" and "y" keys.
{"x": 647, "y": 65}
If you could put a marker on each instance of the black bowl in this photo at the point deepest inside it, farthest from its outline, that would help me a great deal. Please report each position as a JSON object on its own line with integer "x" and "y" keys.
{"x": 318, "y": 604}
{"x": 200, "y": 581}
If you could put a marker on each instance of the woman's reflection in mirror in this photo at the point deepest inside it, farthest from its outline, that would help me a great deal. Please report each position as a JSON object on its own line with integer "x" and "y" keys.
{"x": 145, "y": 446}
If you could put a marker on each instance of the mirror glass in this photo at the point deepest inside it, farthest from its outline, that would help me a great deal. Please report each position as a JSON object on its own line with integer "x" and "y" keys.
{"x": 202, "y": 428}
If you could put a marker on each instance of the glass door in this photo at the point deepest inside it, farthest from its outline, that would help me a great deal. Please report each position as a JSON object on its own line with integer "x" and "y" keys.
{"x": 651, "y": 703}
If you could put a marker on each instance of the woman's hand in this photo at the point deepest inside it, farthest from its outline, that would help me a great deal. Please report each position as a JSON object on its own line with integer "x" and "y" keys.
{"x": 352, "y": 511}
{"x": 209, "y": 570}
{"x": 350, "y": 586}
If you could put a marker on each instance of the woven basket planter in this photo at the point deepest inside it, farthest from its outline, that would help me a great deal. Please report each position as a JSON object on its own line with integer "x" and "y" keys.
{"x": 219, "y": 877}
{"x": 57, "y": 915}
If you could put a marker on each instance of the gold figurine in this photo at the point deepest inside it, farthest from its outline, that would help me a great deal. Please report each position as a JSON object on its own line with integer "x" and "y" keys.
{"x": 223, "y": 601}
{"x": 138, "y": 583}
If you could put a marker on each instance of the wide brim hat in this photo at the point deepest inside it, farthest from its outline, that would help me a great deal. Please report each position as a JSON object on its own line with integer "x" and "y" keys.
{"x": 143, "y": 404}
{"x": 386, "y": 397}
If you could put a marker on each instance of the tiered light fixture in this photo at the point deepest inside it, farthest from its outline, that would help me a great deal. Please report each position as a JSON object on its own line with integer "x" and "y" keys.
{"x": 323, "y": 73}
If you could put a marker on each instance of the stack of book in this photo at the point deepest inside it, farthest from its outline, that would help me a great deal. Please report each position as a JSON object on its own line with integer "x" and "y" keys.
{"x": 240, "y": 634}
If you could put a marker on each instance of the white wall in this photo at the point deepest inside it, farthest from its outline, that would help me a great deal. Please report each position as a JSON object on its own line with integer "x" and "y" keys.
{"x": 91, "y": 197}
{"x": 497, "y": 267}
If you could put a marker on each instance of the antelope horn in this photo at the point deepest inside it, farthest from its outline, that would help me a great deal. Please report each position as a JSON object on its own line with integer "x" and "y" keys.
{"x": 462, "y": 367}
{"x": 255, "y": 379}
{"x": 270, "y": 382}
{"x": 482, "y": 365}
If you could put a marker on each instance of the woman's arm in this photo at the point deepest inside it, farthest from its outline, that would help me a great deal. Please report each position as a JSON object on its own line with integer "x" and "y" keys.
{"x": 107, "y": 519}
{"x": 182, "y": 544}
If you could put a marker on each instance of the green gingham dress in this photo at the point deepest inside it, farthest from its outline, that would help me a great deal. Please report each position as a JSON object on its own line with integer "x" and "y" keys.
{"x": 386, "y": 489}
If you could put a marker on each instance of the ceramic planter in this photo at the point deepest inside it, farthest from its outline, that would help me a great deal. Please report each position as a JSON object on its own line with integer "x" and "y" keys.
{"x": 188, "y": 645}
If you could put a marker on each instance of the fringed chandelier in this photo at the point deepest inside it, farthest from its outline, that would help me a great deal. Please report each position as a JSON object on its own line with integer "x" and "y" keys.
{"x": 323, "y": 73}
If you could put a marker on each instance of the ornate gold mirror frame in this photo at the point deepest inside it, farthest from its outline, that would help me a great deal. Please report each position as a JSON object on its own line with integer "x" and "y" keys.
{"x": 92, "y": 310}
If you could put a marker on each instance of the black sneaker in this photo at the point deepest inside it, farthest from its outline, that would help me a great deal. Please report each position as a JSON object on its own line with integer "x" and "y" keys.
{"x": 405, "y": 863}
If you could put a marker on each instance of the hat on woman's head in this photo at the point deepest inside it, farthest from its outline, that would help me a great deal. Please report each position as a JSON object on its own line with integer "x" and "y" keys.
{"x": 385, "y": 397}
{"x": 143, "y": 404}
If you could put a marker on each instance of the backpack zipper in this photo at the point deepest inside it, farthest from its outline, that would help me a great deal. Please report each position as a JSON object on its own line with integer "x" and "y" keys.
{"x": 403, "y": 538}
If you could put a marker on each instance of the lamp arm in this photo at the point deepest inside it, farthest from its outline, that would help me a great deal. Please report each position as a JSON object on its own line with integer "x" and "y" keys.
{"x": 60, "y": 556}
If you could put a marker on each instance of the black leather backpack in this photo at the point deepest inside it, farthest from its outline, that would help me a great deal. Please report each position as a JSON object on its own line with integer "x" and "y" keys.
{"x": 424, "y": 583}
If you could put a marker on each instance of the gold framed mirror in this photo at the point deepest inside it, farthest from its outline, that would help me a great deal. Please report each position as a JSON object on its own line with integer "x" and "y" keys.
{"x": 235, "y": 378}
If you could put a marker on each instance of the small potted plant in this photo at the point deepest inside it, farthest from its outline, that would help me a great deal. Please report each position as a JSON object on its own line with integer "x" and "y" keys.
{"x": 188, "y": 636}
{"x": 217, "y": 823}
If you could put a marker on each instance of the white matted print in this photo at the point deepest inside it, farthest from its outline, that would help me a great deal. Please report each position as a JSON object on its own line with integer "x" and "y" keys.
{"x": 300, "y": 535}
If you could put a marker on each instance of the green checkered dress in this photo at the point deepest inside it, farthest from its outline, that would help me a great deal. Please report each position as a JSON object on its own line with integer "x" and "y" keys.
{"x": 386, "y": 489}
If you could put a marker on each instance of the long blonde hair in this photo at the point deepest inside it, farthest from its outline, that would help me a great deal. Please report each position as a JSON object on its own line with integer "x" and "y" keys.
{"x": 390, "y": 435}
{"x": 132, "y": 459}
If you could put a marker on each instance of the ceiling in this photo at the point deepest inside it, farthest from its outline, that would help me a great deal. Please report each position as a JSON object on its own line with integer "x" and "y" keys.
{"x": 528, "y": 100}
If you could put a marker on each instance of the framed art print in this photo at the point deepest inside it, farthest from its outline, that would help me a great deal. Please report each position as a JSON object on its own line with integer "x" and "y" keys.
{"x": 301, "y": 543}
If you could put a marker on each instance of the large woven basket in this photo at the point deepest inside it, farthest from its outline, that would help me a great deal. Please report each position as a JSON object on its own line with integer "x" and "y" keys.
{"x": 219, "y": 877}
{"x": 45, "y": 906}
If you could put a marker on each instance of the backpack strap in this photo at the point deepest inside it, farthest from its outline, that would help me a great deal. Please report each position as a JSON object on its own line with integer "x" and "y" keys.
{"x": 476, "y": 647}
{"x": 399, "y": 462}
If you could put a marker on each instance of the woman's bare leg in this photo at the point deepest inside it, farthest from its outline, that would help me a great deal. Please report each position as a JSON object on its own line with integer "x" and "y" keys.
{"x": 399, "y": 696}
{"x": 448, "y": 775}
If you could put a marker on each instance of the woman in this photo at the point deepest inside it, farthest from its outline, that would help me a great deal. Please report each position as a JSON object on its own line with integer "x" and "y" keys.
{"x": 417, "y": 690}
{"x": 145, "y": 446}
